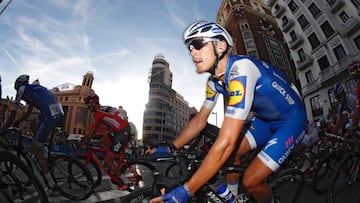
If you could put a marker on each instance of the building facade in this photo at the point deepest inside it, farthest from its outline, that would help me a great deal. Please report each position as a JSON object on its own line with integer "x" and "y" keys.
{"x": 324, "y": 38}
{"x": 166, "y": 112}
{"x": 72, "y": 98}
{"x": 255, "y": 33}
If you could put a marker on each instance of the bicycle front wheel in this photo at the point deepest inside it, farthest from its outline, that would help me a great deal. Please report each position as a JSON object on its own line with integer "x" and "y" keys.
{"x": 72, "y": 178}
{"x": 345, "y": 184}
{"x": 139, "y": 173}
{"x": 17, "y": 182}
{"x": 287, "y": 185}
{"x": 323, "y": 173}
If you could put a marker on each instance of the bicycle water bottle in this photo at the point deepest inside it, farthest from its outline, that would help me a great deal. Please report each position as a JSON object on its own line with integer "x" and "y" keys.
{"x": 225, "y": 193}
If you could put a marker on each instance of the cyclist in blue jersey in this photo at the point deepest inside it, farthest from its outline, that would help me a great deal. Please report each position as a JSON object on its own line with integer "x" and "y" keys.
{"x": 247, "y": 85}
{"x": 51, "y": 113}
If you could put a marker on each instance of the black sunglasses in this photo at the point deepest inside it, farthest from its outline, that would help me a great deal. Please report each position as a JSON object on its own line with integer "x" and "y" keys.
{"x": 199, "y": 43}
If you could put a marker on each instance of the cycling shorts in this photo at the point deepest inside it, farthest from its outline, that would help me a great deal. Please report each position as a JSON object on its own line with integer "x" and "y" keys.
{"x": 119, "y": 139}
{"x": 44, "y": 126}
{"x": 277, "y": 138}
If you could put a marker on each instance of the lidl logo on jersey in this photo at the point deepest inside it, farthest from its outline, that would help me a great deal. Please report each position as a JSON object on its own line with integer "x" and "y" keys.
{"x": 210, "y": 93}
{"x": 237, "y": 92}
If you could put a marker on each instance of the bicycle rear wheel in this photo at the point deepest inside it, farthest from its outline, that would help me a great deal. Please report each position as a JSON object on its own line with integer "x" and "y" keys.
{"x": 287, "y": 185}
{"x": 17, "y": 182}
{"x": 95, "y": 171}
{"x": 345, "y": 184}
{"x": 324, "y": 172}
{"x": 71, "y": 176}
{"x": 140, "y": 174}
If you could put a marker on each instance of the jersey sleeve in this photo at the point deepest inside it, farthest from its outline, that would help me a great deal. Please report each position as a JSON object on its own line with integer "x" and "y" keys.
{"x": 241, "y": 87}
{"x": 211, "y": 95}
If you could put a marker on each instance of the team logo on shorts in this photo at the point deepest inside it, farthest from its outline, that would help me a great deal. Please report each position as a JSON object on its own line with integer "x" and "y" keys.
{"x": 237, "y": 92}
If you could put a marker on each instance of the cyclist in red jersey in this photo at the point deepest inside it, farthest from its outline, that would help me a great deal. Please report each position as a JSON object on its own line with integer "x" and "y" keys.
{"x": 112, "y": 124}
{"x": 354, "y": 69}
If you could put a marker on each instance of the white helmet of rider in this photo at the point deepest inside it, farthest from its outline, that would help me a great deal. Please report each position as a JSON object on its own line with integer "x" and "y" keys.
{"x": 207, "y": 29}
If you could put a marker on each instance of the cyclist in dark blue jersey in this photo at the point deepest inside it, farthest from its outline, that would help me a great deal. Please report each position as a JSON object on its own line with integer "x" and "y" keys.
{"x": 247, "y": 85}
{"x": 51, "y": 113}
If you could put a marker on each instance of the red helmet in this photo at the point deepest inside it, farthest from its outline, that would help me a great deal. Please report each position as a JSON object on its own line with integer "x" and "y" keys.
{"x": 92, "y": 98}
{"x": 354, "y": 70}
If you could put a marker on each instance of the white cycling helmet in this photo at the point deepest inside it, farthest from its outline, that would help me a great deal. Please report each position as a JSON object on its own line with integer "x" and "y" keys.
{"x": 208, "y": 30}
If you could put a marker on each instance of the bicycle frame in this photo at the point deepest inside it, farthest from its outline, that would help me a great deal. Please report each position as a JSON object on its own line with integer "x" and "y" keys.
{"x": 91, "y": 154}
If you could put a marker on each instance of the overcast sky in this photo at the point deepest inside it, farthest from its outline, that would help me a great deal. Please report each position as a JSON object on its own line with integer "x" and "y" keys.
{"x": 59, "y": 41}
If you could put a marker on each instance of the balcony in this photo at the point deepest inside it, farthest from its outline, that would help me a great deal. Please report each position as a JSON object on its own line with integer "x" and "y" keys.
{"x": 287, "y": 25}
{"x": 305, "y": 62}
{"x": 279, "y": 11}
{"x": 350, "y": 27}
{"x": 335, "y": 5}
{"x": 295, "y": 43}
{"x": 310, "y": 88}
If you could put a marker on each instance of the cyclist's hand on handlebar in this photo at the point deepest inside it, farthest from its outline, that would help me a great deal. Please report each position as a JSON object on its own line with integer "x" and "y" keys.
{"x": 178, "y": 195}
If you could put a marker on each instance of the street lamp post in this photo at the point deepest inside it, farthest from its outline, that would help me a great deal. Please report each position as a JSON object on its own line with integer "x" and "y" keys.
{"x": 215, "y": 117}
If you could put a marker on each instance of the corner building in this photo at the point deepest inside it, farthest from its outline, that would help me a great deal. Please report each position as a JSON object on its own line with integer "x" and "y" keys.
{"x": 166, "y": 112}
{"x": 324, "y": 38}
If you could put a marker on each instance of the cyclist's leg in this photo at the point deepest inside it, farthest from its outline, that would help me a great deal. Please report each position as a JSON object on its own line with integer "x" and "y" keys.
{"x": 118, "y": 141}
{"x": 248, "y": 143}
{"x": 43, "y": 128}
{"x": 285, "y": 136}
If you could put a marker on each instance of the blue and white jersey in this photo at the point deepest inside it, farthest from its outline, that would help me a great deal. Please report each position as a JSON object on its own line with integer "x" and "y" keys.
{"x": 40, "y": 98}
{"x": 253, "y": 85}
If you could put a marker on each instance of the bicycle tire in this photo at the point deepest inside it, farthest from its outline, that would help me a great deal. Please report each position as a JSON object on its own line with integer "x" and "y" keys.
{"x": 144, "y": 169}
{"x": 345, "y": 183}
{"x": 72, "y": 177}
{"x": 287, "y": 184}
{"x": 323, "y": 173}
{"x": 174, "y": 170}
{"x": 18, "y": 182}
{"x": 95, "y": 171}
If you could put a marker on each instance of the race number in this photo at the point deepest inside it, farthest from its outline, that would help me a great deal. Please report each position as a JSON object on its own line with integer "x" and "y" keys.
{"x": 56, "y": 109}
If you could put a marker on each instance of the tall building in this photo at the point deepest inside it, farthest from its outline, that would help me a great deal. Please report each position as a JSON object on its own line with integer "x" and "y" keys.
{"x": 255, "y": 33}
{"x": 324, "y": 38}
{"x": 166, "y": 112}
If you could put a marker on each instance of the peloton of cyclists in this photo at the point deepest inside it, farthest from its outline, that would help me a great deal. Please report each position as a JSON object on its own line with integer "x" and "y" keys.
{"x": 248, "y": 85}
{"x": 112, "y": 124}
{"x": 51, "y": 113}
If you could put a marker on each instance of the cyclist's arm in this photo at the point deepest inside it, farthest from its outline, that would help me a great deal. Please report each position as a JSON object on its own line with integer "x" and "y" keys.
{"x": 218, "y": 154}
{"x": 356, "y": 117}
{"x": 193, "y": 128}
{"x": 26, "y": 115}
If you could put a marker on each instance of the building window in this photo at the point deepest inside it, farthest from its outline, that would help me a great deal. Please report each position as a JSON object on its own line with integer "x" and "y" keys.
{"x": 309, "y": 76}
{"x": 314, "y": 41}
{"x": 250, "y": 44}
{"x": 252, "y": 54}
{"x": 285, "y": 20}
{"x": 303, "y": 21}
{"x": 356, "y": 3}
{"x": 323, "y": 63}
{"x": 293, "y": 35}
{"x": 316, "y": 106}
{"x": 339, "y": 52}
{"x": 344, "y": 16}
{"x": 301, "y": 54}
{"x": 293, "y": 6}
{"x": 247, "y": 35}
{"x": 327, "y": 29}
{"x": 357, "y": 41}
{"x": 314, "y": 10}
